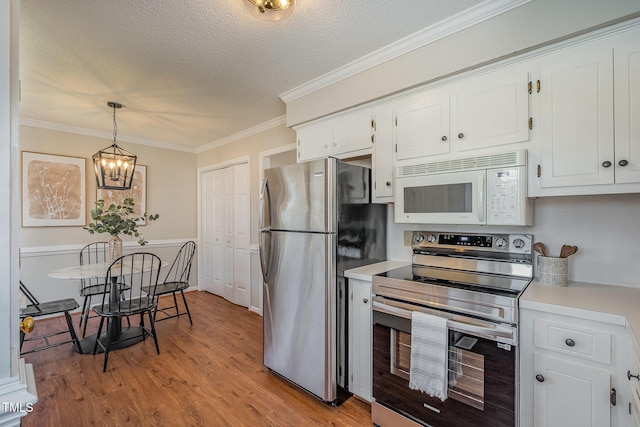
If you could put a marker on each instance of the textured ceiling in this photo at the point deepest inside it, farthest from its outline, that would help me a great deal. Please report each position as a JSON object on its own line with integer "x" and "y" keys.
{"x": 193, "y": 72}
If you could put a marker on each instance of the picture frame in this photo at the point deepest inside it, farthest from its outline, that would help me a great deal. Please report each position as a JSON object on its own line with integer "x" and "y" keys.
{"x": 138, "y": 192}
{"x": 53, "y": 190}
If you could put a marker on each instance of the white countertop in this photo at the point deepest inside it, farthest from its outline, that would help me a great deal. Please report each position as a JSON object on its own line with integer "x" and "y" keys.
{"x": 617, "y": 305}
{"x": 366, "y": 271}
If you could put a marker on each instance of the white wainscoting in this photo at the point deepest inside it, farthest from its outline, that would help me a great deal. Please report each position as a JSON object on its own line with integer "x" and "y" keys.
{"x": 37, "y": 262}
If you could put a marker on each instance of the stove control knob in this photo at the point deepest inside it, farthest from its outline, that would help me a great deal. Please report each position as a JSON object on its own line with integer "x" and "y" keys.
{"x": 418, "y": 237}
{"x": 518, "y": 243}
{"x": 501, "y": 242}
{"x": 431, "y": 238}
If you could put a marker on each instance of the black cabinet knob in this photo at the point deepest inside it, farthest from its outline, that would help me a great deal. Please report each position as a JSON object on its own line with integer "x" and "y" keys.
{"x": 388, "y": 183}
{"x": 539, "y": 378}
{"x": 569, "y": 342}
{"x": 461, "y": 135}
{"x": 606, "y": 163}
{"x": 623, "y": 163}
{"x": 444, "y": 138}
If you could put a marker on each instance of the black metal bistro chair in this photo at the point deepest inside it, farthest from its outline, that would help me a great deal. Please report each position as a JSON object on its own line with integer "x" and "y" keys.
{"x": 36, "y": 308}
{"x": 139, "y": 271}
{"x": 93, "y": 253}
{"x": 176, "y": 280}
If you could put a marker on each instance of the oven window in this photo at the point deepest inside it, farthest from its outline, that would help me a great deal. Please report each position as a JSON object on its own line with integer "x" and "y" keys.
{"x": 447, "y": 198}
{"x": 466, "y": 368}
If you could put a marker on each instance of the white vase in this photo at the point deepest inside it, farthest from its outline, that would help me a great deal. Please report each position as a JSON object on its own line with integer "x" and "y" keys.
{"x": 115, "y": 249}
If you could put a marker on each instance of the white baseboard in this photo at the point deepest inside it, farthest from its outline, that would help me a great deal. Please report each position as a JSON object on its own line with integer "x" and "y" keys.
{"x": 17, "y": 395}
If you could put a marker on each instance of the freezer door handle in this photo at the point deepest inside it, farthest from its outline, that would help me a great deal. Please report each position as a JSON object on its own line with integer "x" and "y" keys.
{"x": 264, "y": 242}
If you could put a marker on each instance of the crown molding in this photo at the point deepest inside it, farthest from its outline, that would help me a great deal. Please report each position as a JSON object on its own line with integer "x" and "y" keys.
{"x": 104, "y": 135}
{"x": 270, "y": 124}
{"x": 483, "y": 11}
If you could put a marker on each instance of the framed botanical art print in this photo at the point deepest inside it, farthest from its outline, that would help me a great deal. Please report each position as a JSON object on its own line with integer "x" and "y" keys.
{"x": 138, "y": 192}
{"x": 53, "y": 190}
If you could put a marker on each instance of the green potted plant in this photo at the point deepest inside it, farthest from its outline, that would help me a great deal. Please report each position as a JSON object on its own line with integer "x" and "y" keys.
{"x": 116, "y": 220}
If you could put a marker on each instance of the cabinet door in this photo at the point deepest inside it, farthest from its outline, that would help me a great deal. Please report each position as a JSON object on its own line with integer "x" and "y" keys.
{"x": 422, "y": 125}
{"x": 627, "y": 112}
{"x": 491, "y": 110}
{"x": 352, "y": 132}
{"x": 576, "y": 123}
{"x": 360, "y": 340}
{"x": 314, "y": 141}
{"x": 382, "y": 158}
{"x": 568, "y": 394}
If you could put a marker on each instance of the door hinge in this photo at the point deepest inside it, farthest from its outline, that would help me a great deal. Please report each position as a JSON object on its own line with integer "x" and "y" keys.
{"x": 530, "y": 123}
{"x": 396, "y": 120}
{"x": 538, "y": 86}
{"x": 374, "y": 185}
{"x": 373, "y": 124}
{"x": 396, "y": 145}
{"x": 539, "y": 171}
{"x": 373, "y": 139}
{"x": 530, "y": 87}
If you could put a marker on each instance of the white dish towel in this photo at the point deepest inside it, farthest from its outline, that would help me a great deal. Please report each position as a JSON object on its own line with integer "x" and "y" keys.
{"x": 428, "y": 371}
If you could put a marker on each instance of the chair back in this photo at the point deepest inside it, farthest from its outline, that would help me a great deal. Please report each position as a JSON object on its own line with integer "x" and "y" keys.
{"x": 93, "y": 253}
{"x": 181, "y": 267}
{"x": 27, "y": 293}
{"x": 137, "y": 271}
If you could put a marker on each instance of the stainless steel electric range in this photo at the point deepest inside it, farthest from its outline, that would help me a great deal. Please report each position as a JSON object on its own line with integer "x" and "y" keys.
{"x": 474, "y": 281}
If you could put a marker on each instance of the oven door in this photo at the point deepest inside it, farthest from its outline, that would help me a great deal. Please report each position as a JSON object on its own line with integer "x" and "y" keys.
{"x": 482, "y": 374}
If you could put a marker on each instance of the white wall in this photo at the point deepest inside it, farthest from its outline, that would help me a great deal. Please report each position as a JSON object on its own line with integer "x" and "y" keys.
{"x": 605, "y": 228}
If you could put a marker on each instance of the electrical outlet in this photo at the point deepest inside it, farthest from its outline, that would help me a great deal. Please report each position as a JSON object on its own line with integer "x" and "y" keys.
{"x": 407, "y": 237}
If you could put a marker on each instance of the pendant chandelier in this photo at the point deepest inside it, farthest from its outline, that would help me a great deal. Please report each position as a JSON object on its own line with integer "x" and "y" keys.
{"x": 270, "y": 10}
{"x": 114, "y": 166}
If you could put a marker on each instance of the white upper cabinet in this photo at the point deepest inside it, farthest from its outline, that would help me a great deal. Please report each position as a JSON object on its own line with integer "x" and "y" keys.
{"x": 576, "y": 122}
{"x": 346, "y": 135}
{"x": 382, "y": 158}
{"x": 588, "y": 133}
{"x": 422, "y": 125}
{"x": 476, "y": 112}
{"x": 627, "y": 111}
{"x": 491, "y": 110}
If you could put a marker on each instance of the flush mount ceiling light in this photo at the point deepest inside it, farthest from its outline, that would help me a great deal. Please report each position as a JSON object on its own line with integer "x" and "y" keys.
{"x": 114, "y": 166}
{"x": 270, "y": 10}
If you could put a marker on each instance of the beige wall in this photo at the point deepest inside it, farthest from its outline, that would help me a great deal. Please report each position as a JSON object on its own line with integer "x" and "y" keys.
{"x": 171, "y": 187}
{"x": 531, "y": 25}
{"x": 251, "y": 146}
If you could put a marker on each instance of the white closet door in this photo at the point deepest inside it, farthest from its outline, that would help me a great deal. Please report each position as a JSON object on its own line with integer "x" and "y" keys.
{"x": 219, "y": 225}
{"x": 206, "y": 249}
{"x": 241, "y": 235}
{"x": 227, "y": 234}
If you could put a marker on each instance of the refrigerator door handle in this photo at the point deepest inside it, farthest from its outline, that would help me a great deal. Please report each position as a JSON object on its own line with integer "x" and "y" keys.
{"x": 264, "y": 247}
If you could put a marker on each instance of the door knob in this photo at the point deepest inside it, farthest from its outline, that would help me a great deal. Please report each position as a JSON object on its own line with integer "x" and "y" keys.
{"x": 444, "y": 138}
{"x": 388, "y": 183}
{"x": 460, "y": 135}
{"x": 365, "y": 300}
{"x": 540, "y": 378}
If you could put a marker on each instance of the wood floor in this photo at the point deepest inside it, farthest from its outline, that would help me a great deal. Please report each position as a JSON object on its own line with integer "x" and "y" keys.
{"x": 208, "y": 374}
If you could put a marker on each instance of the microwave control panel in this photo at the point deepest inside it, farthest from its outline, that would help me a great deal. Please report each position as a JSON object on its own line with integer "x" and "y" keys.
{"x": 507, "y": 201}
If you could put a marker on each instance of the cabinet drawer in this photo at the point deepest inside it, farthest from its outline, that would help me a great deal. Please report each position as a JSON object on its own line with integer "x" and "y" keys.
{"x": 573, "y": 340}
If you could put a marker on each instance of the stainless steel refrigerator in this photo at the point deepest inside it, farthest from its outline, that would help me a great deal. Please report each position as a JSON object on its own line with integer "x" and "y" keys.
{"x": 316, "y": 221}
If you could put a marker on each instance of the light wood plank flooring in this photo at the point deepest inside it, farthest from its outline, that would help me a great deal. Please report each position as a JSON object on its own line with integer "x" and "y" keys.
{"x": 208, "y": 374}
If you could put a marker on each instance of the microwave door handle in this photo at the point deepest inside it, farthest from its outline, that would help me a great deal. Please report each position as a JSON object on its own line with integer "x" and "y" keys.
{"x": 481, "y": 188}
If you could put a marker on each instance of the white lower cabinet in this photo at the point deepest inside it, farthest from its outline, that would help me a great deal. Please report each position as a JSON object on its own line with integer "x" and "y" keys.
{"x": 569, "y": 394}
{"x": 572, "y": 372}
{"x": 360, "y": 365}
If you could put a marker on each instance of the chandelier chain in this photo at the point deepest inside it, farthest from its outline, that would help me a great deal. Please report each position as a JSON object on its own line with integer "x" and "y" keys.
{"x": 115, "y": 126}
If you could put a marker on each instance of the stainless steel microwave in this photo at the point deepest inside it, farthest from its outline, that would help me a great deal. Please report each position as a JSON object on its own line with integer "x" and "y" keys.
{"x": 489, "y": 190}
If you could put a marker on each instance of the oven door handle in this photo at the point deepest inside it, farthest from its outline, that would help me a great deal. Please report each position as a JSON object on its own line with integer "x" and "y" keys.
{"x": 491, "y": 331}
